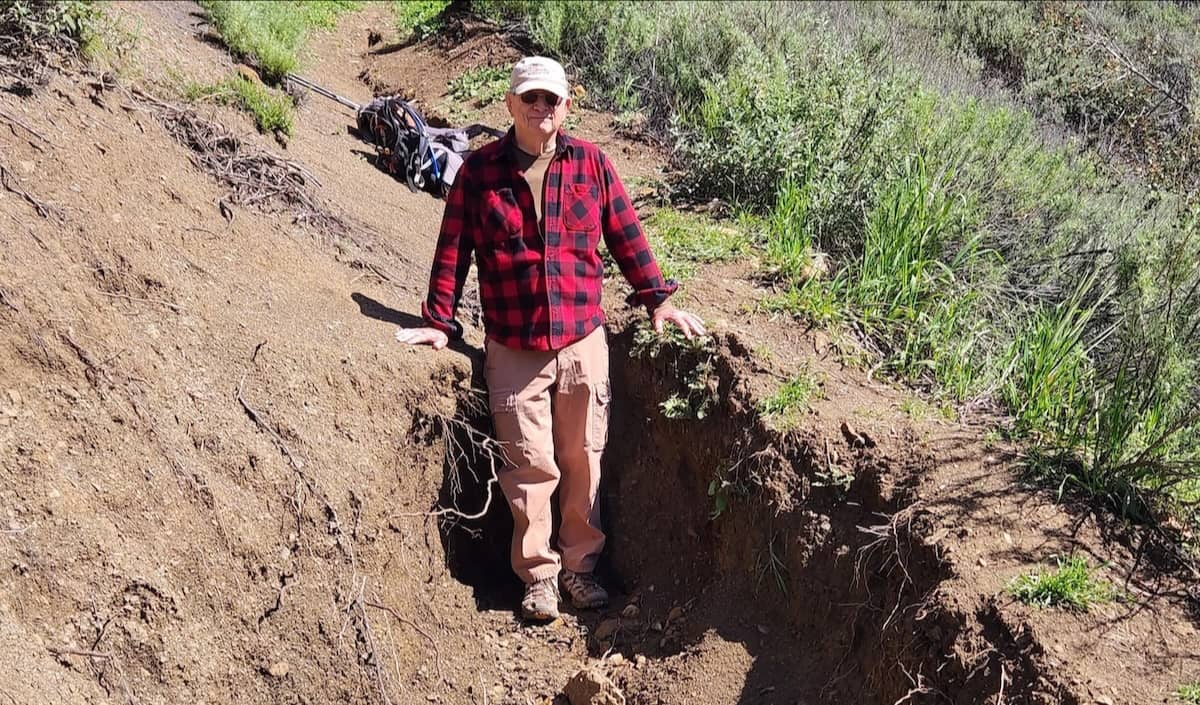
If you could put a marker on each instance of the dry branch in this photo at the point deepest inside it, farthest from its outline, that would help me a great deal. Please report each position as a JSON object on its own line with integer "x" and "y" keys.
{"x": 160, "y": 302}
{"x": 43, "y": 209}
{"x": 23, "y": 125}
{"x": 7, "y": 301}
{"x": 103, "y": 656}
{"x": 257, "y": 418}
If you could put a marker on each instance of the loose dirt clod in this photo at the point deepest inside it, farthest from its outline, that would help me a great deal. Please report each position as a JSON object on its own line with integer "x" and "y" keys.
{"x": 591, "y": 687}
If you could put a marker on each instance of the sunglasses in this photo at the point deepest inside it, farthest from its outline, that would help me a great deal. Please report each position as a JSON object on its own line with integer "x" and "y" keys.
{"x": 551, "y": 100}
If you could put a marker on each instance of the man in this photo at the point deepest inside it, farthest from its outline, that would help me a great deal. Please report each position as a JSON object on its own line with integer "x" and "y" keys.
{"x": 533, "y": 207}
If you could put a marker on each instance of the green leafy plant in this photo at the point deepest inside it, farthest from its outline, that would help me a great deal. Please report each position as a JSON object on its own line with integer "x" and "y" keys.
{"x": 419, "y": 18}
{"x": 1071, "y": 585}
{"x": 1189, "y": 693}
{"x": 723, "y": 490}
{"x": 692, "y": 362}
{"x": 482, "y": 85}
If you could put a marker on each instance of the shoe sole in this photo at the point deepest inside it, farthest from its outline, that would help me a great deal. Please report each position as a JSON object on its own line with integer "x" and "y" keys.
{"x": 540, "y": 616}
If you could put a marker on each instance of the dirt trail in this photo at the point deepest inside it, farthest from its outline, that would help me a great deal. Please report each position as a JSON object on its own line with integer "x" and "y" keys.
{"x": 211, "y": 454}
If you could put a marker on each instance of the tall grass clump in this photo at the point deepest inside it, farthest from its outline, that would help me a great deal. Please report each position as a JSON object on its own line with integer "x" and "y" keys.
{"x": 1072, "y": 585}
{"x": 982, "y": 244}
{"x": 271, "y": 33}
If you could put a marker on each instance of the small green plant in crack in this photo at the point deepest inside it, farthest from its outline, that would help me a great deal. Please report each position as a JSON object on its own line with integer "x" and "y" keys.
{"x": 1071, "y": 585}
{"x": 1189, "y": 693}
{"x": 836, "y": 477}
{"x": 792, "y": 398}
{"x": 722, "y": 492}
{"x": 693, "y": 363}
{"x": 483, "y": 85}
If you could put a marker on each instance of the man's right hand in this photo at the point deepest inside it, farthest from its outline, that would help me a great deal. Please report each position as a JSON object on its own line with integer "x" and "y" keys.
{"x": 423, "y": 336}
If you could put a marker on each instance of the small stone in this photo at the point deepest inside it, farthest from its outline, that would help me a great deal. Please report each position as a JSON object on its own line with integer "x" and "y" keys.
{"x": 591, "y": 687}
{"x": 675, "y": 613}
{"x": 279, "y": 669}
{"x": 1104, "y": 700}
{"x": 631, "y": 611}
{"x": 983, "y": 562}
{"x": 606, "y": 629}
{"x": 617, "y": 659}
{"x": 640, "y": 661}
{"x": 657, "y": 626}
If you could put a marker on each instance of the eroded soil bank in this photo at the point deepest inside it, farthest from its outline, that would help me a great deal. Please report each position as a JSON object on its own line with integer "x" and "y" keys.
{"x": 215, "y": 464}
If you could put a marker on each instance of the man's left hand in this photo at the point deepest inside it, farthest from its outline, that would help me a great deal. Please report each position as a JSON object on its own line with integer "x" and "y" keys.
{"x": 689, "y": 323}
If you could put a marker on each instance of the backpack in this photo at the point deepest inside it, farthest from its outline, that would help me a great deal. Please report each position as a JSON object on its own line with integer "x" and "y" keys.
{"x": 402, "y": 143}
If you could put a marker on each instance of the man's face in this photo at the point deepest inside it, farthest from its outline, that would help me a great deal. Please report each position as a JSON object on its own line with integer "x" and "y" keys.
{"x": 537, "y": 114}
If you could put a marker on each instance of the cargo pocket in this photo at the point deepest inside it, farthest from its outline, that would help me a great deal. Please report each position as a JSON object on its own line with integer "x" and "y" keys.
{"x": 598, "y": 419}
{"x": 507, "y": 423}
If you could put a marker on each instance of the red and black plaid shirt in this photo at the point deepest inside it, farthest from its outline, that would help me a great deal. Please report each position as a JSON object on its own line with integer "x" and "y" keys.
{"x": 538, "y": 292}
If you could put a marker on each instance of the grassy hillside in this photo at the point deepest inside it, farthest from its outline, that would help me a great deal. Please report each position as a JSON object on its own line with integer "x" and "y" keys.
{"x": 1007, "y": 194}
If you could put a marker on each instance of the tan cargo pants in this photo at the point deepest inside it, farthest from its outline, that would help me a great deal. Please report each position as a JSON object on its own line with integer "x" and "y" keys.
{"x": 551, "y": 410}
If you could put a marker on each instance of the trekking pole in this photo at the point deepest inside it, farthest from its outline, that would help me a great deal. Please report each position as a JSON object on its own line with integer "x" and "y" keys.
{"x": 323, "y": 91}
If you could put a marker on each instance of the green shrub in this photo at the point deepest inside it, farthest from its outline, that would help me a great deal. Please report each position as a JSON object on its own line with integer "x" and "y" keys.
{"x": 419, "y": 18}
{"x": 977, "y": 250}
{"x": 1189, "y": 693}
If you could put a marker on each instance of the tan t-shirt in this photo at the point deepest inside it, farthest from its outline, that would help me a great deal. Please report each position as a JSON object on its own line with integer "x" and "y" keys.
{"x": 534, "y": 168}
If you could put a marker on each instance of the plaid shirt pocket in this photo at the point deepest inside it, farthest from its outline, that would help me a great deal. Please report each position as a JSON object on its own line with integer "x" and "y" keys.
{"x": 581, "y": 207}
{"x": 501, "y": 216}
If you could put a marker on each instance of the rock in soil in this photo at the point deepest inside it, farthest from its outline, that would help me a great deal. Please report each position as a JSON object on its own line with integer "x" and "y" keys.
{"x": 591, "y": 687}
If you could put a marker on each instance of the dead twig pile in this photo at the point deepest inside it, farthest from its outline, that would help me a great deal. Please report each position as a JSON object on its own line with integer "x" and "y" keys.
{"x": 254, "y": 177}
{"x": 36, "y": 39}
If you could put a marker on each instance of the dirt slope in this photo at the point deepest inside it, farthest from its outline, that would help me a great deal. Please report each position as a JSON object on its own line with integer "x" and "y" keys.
{"x": 213, "y": 459}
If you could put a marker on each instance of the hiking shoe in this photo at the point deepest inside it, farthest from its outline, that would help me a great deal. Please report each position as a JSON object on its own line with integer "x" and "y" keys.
{"x": 541, "y": 600}
{"x": 586, "y": 593}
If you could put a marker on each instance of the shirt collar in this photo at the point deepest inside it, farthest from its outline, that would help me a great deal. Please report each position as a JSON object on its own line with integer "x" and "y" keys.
{"x": 563, "y": 145}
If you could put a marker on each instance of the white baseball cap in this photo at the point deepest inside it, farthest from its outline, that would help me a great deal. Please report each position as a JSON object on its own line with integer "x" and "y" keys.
{"x": 539, "y": 73}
